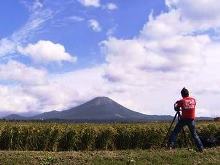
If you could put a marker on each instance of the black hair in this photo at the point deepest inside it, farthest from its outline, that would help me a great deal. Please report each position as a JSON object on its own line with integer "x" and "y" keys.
{"x": 184, "y": 92}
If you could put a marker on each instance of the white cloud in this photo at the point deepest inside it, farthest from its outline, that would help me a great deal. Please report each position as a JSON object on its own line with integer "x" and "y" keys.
{"x": 15, "y": 71}
{"x": 59, "y": 92}
{"x": 6, "y": 47}
{"x": 157, "y": 55}
{"x": 76, "y": 18}
{"x": 33, "y": 6}
{"x": 37, "y": 4}
{"x": 82, "y": 85}
{"x": 39, "y": 15}
{"x": 111, "y": 31}
{"x": 165, "y": 25}
{"x": 15, "y": 100}
{"x": 202, "y": 14}
{"x": 87, "y": 3}
{"x": 199, "y": 10}
{"x": 111, "y": 6}
{"x": 47, "y": 51}
{"x": 94, "y": 25}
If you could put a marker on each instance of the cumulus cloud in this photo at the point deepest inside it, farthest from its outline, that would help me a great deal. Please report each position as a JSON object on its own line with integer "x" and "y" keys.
{"x": 59, "y": 92}
{"x": 87, "y": 3}
{"x": 47, "y": 51}
{"x": 202, "y": 15}
{"x": 157, "y": 55}
{"x": 15, "y": 71}
{"x": 94, "y": 25}
{"x": 15, "y": 100}
{"x": 165, "y": 25}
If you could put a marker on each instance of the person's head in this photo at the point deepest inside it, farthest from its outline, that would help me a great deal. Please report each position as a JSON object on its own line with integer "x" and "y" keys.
{"x": 184, "y": 92}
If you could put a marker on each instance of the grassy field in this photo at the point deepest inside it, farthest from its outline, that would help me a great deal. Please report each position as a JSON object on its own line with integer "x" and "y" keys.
{"x": 121, "y": 157}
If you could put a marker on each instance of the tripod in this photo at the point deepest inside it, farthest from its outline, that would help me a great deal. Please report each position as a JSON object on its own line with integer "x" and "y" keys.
{"x": 177, "y": 115}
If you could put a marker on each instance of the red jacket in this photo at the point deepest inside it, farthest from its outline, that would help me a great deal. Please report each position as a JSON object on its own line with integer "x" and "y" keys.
{"x": 187, "y": 106}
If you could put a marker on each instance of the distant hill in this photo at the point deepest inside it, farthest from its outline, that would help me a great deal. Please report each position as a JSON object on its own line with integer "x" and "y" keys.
{"x": 97, "y": 109}
{"x": 15, "y": 117}
{"x": 204, "y": 118}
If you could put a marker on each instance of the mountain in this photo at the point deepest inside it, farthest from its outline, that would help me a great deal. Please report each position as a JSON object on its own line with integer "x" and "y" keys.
{"x": 97, "y": 109}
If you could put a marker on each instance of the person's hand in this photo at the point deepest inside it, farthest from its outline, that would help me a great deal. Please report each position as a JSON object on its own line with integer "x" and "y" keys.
{"x": 176, "y": 107}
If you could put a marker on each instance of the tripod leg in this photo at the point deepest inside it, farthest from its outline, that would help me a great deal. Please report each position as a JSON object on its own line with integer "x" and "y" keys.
{"x": 168, "y": 132}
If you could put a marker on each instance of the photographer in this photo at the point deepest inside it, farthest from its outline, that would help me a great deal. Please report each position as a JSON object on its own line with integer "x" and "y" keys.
{"x": 187, "y": 106}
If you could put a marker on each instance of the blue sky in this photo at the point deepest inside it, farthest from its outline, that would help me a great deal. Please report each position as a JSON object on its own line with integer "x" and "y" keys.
{"x": 77, "y": 37}
{"x": 12, "y": 21}
{"x": 131, "y": 51}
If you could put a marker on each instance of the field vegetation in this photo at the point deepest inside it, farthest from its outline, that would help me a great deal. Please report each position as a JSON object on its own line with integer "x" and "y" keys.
{"x": 36, "y": 136}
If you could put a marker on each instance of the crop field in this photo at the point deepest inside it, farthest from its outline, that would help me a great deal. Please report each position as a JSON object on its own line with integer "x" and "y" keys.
{"x": 36, "y": 136}
{"x": 54, "y": 143}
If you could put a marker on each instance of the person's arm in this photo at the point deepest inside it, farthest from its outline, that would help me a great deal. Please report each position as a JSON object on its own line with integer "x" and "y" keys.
{"x": 177, "y": 106}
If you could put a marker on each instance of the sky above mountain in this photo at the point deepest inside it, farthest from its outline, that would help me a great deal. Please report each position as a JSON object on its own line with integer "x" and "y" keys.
{"x": 57, "y": 54}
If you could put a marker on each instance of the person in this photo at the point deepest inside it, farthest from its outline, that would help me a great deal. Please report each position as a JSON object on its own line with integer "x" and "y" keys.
{"x": 187, "y": 106}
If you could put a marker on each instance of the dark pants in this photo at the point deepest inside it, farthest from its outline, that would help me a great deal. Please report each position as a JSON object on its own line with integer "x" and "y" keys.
{"x": 191, "y": 125}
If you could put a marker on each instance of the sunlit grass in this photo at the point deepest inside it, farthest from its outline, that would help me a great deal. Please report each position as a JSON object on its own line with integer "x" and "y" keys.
{"x": 159, "y": 156}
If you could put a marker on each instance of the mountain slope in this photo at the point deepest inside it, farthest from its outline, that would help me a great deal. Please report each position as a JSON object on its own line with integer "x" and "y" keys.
{"x": 100, "y": 108}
